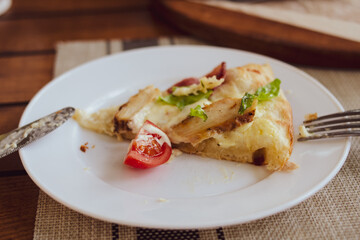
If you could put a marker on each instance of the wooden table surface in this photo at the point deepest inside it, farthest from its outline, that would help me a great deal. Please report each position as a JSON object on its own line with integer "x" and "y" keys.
{"x": 28, "y": 34}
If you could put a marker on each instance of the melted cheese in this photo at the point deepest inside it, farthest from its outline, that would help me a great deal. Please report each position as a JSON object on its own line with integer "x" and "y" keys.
{"x": 162, "y": 115}
{"x": 303, "y": 131}
{"x": 151, "y": 129}
{"x": 205, "y": 84}
{"x": 260, "y": 133}
{"x": 243, "y": 79}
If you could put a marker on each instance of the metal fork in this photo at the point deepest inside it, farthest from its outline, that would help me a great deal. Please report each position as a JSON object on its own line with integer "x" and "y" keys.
{"x": 342, "y": 124}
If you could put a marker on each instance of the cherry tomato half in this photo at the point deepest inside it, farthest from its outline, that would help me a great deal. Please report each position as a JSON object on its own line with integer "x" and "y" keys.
{"x": 150, "y": 148}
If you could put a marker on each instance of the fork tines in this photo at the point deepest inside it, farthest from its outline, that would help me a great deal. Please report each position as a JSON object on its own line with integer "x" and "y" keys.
{"x": 342, "y": 124}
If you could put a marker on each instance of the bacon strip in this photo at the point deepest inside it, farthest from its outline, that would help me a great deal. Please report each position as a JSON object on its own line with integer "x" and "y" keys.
{"x": 219, "y": 71}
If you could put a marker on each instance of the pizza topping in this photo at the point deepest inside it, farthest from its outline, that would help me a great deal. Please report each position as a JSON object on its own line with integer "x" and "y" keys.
{"x": 268, "y": 91}
{"x": 150, "y": 148}
{"x": 191, "y": 90}
{"x": 264, "y": 93}
{"x": 182, "y": 101}
{"x": 219, "y": 71}
{"x": 246, "y": 101}
{"x": 198, "y": 112}
{"x": 193, "y": 85}
{"x": 184, "y": 83}
{"x": 205, "y": 84}
{"x": 152, "y": 128}
{"x": 222, "y": 116}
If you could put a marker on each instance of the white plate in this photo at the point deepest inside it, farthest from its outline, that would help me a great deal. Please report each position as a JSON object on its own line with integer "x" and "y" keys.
{"x": 199, "y": 192}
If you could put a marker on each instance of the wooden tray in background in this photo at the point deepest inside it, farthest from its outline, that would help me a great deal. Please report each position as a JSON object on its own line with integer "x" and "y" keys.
{"x": 239, "y": 30}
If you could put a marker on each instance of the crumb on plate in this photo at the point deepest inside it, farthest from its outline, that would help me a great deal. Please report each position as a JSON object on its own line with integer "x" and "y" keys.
{"x": 303, "y": 131}
{"x": 289, "y": 166}
{"x": 163, "y": 199}
{"x": 84, "y": 147}
{"x": 311, "y": 116}
{"x": 175, "y": 153}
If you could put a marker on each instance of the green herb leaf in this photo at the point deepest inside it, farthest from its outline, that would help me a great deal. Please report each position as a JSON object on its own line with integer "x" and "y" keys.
{"x": 264, "y": 93}
{"x": 182, "y": 101}
{"x": 246, "y": 102}
{"x": 198, "y": 112}
{"x": 268, "y": 91}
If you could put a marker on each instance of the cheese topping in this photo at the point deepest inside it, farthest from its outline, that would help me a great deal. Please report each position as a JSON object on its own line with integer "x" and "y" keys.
{"x": 151, "y": 129}
{"x": 205, "y": 84}
{"x": 164, "y": 116}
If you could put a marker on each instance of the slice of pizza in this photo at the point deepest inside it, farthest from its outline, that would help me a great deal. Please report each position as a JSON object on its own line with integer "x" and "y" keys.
{"x": 237, "y": 114}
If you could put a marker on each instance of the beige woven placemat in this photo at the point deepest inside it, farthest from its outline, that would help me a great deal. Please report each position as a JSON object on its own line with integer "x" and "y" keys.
{"x": 332, "y": 213}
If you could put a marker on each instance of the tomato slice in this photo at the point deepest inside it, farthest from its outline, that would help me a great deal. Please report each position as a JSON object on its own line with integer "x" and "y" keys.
{"x": 150, "y": 148}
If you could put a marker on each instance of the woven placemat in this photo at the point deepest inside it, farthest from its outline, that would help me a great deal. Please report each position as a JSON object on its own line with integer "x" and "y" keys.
{"x": 332, "y": 213}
